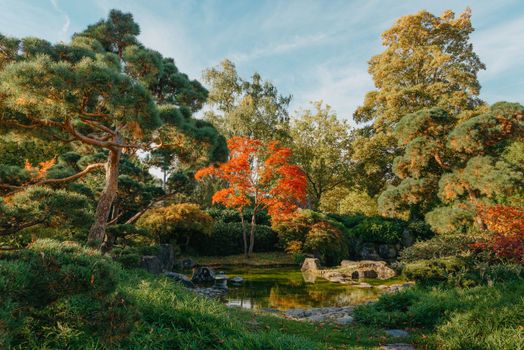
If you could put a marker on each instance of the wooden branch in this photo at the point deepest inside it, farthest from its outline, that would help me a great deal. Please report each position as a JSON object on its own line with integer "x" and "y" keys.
{"x": 87, "y": 169}
{"x": 98, "y": 126}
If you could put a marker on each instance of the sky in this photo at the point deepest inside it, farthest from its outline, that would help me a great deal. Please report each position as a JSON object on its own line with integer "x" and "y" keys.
{"x": 313, "y": 50}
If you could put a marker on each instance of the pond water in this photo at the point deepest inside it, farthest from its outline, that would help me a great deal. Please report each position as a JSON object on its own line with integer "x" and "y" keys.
{"x": 286, "y": 287}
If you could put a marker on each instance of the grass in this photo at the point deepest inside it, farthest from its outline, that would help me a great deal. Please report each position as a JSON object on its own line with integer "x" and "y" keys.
{"x": 257, "y": 259}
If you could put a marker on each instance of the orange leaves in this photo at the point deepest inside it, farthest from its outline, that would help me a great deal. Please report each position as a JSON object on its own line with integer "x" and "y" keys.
{"x": 38, "y": 173}
{"x": 260, "y": 175}
{"x": 503, "y": 219}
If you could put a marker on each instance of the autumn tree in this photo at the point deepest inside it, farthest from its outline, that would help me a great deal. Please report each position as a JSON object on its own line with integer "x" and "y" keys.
{"x": 321, "y": 145}
{"x": 103, "y": 90}
{"x": 259, "y": 175}
{"x": 248, "y": 108}
{"x": 428, "y": 62}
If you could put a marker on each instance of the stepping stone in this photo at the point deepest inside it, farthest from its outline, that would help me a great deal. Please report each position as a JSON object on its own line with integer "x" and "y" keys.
{"x": 396, "y": 333}
{"x": 295, "y": 313}
{"x": 316, "y": 318}
{"x": 398, "y": 346}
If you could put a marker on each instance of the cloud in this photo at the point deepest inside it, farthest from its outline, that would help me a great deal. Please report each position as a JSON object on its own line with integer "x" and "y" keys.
{"x": 67, "y": 20}
{"x": 272, "y": 49}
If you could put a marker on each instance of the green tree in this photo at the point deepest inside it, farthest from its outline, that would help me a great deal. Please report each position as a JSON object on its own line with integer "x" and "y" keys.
{"x": 428, "y": 62}
{"x": 103, "y": 90}
{"x": 322, "y": 147}
{"x": 249, "y": 108}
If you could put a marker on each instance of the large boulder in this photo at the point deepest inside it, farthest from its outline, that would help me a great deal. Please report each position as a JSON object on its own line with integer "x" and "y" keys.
{"x": 369, "y": 252}
{"x": 166, "y": 256}
{"x": 203, "y": 274}
{"x": 387, "y": 251}
{"x": 151, "y": 264}
{"x": 310, "y": 265}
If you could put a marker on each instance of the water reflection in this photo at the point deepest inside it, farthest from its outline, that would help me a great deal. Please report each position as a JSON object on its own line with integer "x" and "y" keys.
{"x": 284, "y": 288}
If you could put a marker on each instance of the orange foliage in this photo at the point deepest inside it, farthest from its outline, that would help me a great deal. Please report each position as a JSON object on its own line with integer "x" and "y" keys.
{"x": 507, "y": 225}
{"x": 38, "y": 173}
{"x": 260, "y": 175}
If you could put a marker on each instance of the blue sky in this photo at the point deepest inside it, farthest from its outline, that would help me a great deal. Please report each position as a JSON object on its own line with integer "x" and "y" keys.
{"x": 311, "y": 49}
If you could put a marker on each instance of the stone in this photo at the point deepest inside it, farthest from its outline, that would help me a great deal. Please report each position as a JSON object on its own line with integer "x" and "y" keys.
{"x": 316, "y": 318}
{"x": 178, "y": 277}
{"x": 387, "y": 251}
{"x": 188, "y": 264}
{"x": 358, "y": 269}
{"x": 296, "y": 313}
{"x": 166, "y": 256}
{"x": 310, "y": 264}
{"x": 151, "y": 264}
{"x": 203, "y": 274}
{"x": 236, "y": 281}
{"x": 364, "y": 285}
{"x": 220, "y": 281}
{"x": 398, "y": 346}
{"x": 396, "y": 333}
{"x": 407, "y": 238}
{"x": 344, "y": 320}
{"x": 369, "y": 252}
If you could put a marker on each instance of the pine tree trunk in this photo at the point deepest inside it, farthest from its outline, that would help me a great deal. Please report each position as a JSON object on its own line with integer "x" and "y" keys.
{"x": 98, "y": 229}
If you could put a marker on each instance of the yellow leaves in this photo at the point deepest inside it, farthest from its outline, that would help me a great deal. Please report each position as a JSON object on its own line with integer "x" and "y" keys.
{"x": 38, "y": 173}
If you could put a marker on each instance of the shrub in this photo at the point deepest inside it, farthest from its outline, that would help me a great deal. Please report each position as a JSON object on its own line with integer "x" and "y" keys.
{"x": 176, "y": 223}
{"x": 130, "y": 257}
{"x": 326, "y": 242}
{"x": 377, "y": 229}
{"x": 226, "y": 239}
{"x": 435, "y": 270}
{"x": 232, "y": 215}
{"x": 438, "y": 247}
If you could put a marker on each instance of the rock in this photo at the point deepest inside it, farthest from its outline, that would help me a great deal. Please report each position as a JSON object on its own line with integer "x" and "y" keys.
{"x": 310, "y": 264}
{"x": 167, "y": 257}
{"x": 316, "y": 318}
{"x": 387, "y": 251}
{"x": 344, "y": 320}
{"x": 407, "y": 238}
{"x": 398, "y": 346}
{"x": 369, "y": 252}
{"x": 220, "y": 281}
{"x": 151, "y": 264}
{"x": 296, "y": 313}
{"x": 203, "y": 274}
{"x": 358, "y": 269}
{"x": 236, "y": 281}
{"x": 178, "y": 277}
{"x": 364, "y": 285}
{"x": 396, "y": 333}
{"x": 188, "y": 264}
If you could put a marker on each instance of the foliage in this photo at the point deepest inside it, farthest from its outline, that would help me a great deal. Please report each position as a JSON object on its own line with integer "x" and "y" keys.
{"x": 238, "y": 107}
{"x": 321, "y": 145}
{"x": 177, "y": 223}
{"x": 226, "y": 239}
{"x": 45, "y": 207}
{"x": 476, "y": 318}
{"x": 103, "y": 90}
{"x": 378, "y": 229}
{"x": 60, "y": 295}
{"x": 434, "y": 270}
{"x": 438, "y": 247}
{"x": 259, "y": 176}
{"x": 232, "y": 215}
{"x": 345, "y": 201}
{"x": 313, "y": 233}
{"x": 427, "y": 62}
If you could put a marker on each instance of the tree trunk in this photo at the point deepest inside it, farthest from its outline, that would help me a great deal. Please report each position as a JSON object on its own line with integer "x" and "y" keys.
{"x": 252, "y": 234}
{"x": 98, "y": 229}
{"x": 244, "y": 237}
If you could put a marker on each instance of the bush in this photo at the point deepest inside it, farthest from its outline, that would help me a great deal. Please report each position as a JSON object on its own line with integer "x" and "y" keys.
{"x": 327, "y": 243}
{"x": 130, "y": 257}
{"x": 475, "y": 318}
{"x": 176, "y": 223}
{"x": 232, "y": 215}
{"x": 438, "y": 247}
{"x": 433, "y": 271}
{"x": 63, "y": 296}
{"x": 226, "y": 239}
{"x": 377, "y": 229}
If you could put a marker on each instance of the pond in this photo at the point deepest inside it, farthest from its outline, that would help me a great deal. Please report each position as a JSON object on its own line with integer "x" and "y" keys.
{"x": 286, "y": 287}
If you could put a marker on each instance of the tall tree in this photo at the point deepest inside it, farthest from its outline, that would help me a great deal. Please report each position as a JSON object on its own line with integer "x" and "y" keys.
{"x": 428, "y": 61}
{"x": 321, "y": 145}
{"x": 249, "y": 108}
{"x": 102, "y": 90}
{"x": 259, "y": 176}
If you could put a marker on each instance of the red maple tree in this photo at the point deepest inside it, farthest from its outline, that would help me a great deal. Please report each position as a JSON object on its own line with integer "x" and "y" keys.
{"x": 260, "y": 176}
{"x": 507, "y": 225}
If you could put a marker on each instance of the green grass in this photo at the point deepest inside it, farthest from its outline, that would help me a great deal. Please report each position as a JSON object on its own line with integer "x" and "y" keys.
{"x": 64, "y": 296}
{"x": 256, "y": 259}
